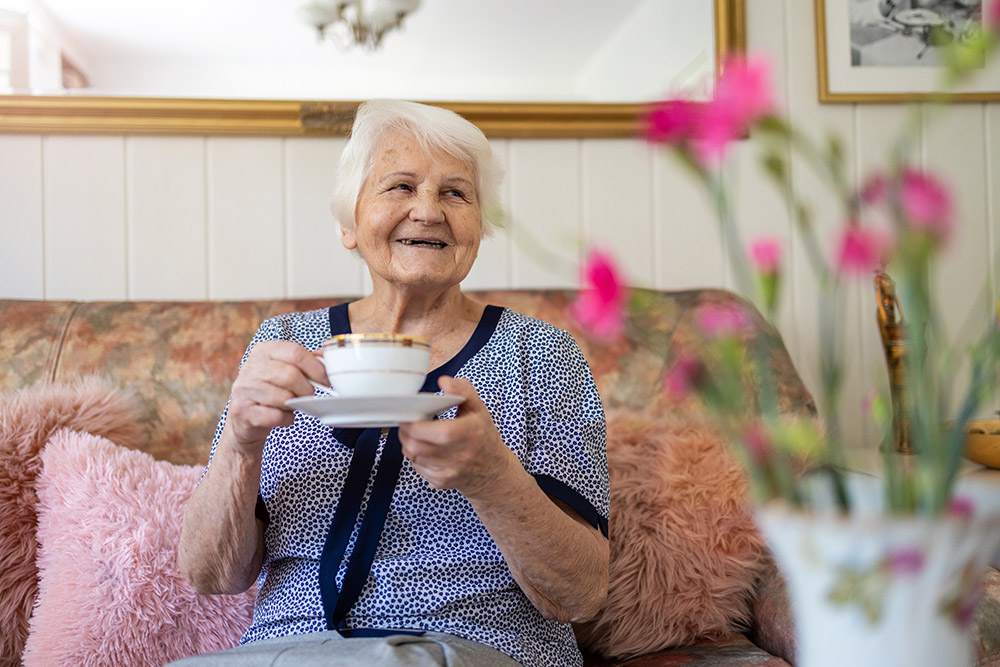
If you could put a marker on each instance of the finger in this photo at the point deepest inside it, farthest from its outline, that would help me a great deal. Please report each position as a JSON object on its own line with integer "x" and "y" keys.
{"x": 266, "y": 394}
{"x": 427, "y": 433}
{"x": 307, "y": 361}
{"x": 461, "y": 387}
{"x": 286, "y": 365}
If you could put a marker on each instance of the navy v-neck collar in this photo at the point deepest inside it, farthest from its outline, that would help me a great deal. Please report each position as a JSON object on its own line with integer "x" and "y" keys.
{"x": 340, "y": 323}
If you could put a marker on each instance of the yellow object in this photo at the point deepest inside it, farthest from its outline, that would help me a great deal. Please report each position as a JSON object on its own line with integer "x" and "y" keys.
{"x": 982, "y": 443}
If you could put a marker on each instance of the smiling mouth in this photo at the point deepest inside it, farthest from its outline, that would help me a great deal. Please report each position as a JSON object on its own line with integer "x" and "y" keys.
{"x": 423, "y": 242}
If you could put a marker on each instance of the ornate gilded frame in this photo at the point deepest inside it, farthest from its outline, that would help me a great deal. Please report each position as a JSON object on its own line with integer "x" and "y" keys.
{"x": 827, "y": 94}
{"x": 175, "y": 116}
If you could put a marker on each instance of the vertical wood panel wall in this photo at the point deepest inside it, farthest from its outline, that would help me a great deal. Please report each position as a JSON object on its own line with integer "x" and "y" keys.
{"x": 112, "y": 217}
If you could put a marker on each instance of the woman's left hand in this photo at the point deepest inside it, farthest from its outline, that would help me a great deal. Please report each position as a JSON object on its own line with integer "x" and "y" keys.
{"x": 557, "y": 558}
{"x": 465, "y": 453}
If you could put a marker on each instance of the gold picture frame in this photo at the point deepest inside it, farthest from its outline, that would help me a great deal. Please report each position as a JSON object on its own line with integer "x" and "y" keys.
{"x": 175, "y": 116}
{"x": 842, "y": 80}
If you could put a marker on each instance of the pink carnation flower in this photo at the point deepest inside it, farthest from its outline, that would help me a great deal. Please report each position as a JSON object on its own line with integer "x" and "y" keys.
{"x": 600, "y": 307}
{"x": 672, "y": 121}
{"x": 905, "y": 561}
{"x": 961, "y": 507}
{"x": 765, "y": 253}
{"x": 743, "y": 95}
{"x": 927, "y": 204}
{"x": 722, "y": 320}
{"x": 757, "y": 442}
{"x": 860, "y": 250}
{"x": 993, "y": 16}
{"x": 874, "y": 190}
{"x": 683, "y": 377}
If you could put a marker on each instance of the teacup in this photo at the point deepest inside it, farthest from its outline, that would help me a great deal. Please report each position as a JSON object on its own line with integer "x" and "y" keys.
{"x": 376, "y": 364}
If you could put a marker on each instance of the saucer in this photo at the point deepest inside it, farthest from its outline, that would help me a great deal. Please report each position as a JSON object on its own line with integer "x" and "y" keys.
{"x": 374, "y": 411}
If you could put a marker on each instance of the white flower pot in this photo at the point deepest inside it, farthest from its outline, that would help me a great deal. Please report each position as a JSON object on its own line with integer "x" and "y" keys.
{"x": 876, "y": 590}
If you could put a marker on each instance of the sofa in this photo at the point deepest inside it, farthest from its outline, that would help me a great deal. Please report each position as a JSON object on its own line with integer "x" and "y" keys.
{"x": 691, "y": 580}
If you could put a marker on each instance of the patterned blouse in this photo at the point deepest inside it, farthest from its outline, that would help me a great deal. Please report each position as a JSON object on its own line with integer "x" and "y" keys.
{"x": 357, "y": 541}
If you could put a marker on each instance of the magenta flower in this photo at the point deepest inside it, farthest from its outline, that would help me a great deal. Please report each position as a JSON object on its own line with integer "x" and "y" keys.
{"x": 961, "y": 507}
{"x": 717, "y": 320}
{"x": 744, "y": 89}
{"x": 859, "y": 250}
{"x": 927, "y": 204}
{"x": 758, "y": 443}
{"x": 765, "y": 254}
{"x": 743, "y": 95}
{"x": 600, "y": 307}
{"x": 993, "y": 16}
{"x": 874, "y": 190}
{"x": 672, "y": 121}
{"x": 683, "y": 377}
{"x": 905, "y": 561}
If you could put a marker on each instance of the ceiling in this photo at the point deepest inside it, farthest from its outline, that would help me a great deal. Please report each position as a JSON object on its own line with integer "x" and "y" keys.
{"x": 549, "y": 50}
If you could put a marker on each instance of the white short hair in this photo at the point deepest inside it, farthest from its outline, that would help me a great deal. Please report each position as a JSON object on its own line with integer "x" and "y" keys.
{"x": 436, "y": 129}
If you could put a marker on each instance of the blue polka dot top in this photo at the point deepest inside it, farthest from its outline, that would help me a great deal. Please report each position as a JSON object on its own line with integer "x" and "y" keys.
{"x": 434, "y": 567}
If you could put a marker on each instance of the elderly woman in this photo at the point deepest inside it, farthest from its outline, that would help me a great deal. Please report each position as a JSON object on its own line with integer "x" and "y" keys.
{"x": 474, "y": 538}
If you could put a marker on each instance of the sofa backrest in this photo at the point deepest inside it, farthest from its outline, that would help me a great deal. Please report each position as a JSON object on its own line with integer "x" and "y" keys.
{"x": 181, "y": 357}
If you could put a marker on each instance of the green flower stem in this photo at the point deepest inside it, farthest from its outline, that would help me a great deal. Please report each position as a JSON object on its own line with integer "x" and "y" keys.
{"x": 734, "y": 242}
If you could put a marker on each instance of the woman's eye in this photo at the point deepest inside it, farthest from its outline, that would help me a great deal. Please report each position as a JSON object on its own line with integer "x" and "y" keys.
{"x": 402, "y": 186}
{"x": 455, "y": 193}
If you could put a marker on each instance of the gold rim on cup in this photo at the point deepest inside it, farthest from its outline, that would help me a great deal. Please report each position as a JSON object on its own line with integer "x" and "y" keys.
{"x": 343, "y": 340}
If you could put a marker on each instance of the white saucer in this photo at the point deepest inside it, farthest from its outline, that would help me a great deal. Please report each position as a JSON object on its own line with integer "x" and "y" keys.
{"x": 374, "y": 411}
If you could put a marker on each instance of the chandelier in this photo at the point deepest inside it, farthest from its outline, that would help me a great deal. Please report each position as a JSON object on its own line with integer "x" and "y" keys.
{"x": 356, "y": 22}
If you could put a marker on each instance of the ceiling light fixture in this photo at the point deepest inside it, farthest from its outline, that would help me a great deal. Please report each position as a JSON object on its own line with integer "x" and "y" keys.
{"x": 356, "y": 22}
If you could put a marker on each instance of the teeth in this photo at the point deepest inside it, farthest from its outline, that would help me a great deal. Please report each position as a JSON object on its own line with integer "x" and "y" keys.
{"x": 436, "y": 244}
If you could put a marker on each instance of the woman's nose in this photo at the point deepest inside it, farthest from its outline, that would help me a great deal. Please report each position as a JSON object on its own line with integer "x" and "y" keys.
{"x": 427, "y": 208}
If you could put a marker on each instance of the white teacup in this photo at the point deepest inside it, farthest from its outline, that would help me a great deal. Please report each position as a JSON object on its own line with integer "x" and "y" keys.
{"x": 376, "y": 364}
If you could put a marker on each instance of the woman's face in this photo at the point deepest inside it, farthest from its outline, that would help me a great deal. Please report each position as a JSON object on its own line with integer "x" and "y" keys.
{"x": 417, "y": 216}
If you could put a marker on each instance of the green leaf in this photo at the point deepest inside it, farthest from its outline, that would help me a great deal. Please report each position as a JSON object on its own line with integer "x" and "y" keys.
{"x": 835, "y": 150}
{"x": 775, "y": 125}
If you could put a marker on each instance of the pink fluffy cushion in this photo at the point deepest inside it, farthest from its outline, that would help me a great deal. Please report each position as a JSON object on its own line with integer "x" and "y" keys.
{"x": 685, "y": 552}
{"x": 109, "y": 591}
{"x": 28, "y": 418}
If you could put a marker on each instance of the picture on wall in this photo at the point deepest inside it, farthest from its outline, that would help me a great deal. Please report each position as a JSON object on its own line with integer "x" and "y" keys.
{"x": 894, "y": 50}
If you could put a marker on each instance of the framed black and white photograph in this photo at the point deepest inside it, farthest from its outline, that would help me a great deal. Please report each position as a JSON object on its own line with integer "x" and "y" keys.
{"x": 894, "y": 50}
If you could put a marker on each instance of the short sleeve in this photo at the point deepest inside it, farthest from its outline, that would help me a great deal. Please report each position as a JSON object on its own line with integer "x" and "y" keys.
{"x": 566, "y": 433}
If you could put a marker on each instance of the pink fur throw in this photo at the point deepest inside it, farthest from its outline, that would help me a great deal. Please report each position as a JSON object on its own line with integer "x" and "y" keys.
{"x": 28, "y": 418}
{"x": 109, "y": 591}
{"x": 685, "y": 552}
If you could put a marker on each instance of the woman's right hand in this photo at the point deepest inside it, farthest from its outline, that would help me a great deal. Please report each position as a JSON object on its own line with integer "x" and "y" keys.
{"x": 274, "y": 372}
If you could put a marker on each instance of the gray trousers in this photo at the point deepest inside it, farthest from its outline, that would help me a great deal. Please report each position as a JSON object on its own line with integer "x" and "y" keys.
{"x": 330, "y": 649}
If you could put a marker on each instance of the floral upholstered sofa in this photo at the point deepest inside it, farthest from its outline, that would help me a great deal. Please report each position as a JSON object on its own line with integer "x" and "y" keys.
{"x": 106, "y": 415}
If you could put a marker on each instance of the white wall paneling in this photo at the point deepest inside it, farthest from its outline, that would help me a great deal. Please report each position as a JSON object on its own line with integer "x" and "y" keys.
{"x": 687, "y": 243}
{"x": 165, "y": 209}
{"x": 492, "y": 269}
{"x": 246, "y": 204}
{"x": 827, "y": 212}
{"x": 954, "y": 148}
{"x": 617, "y": 211}
{"x": 22, "y": 266}
{"x": 316, "y": 263}
{"x": 545, "y": 212}
{"x": 992, "y": 143}
{"x": 84, "y": 227}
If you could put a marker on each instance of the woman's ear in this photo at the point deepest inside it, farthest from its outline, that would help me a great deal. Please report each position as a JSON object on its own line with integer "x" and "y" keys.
{"x": 347, "y": 238}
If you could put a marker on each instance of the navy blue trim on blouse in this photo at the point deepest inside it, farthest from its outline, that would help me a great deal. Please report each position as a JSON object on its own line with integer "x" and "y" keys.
{"x": 337, "y": 603}
{"x": 340, "y": 323}
{"x": 260, "y": 511}
{"x": 557, "y": 489}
